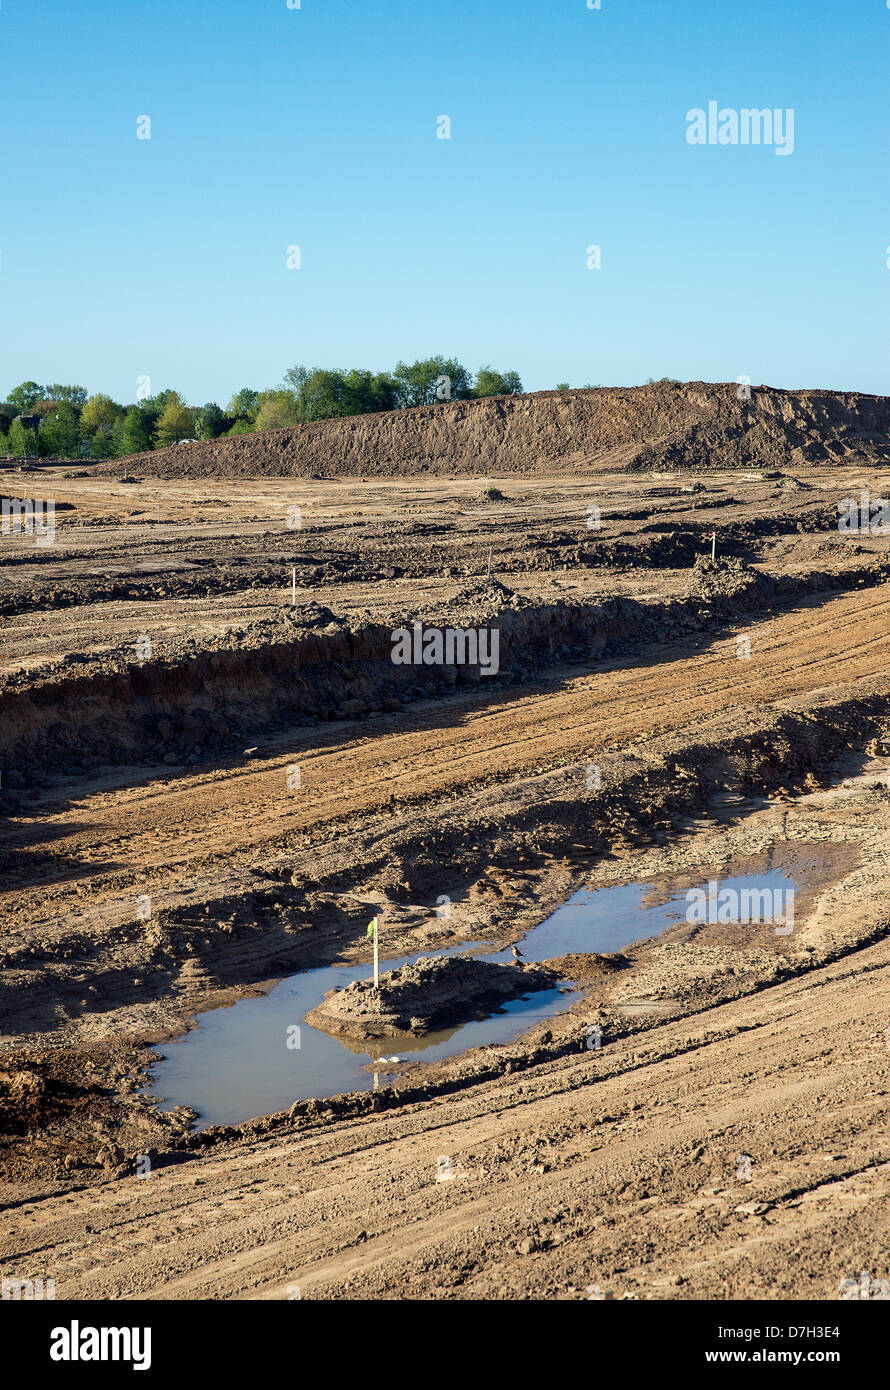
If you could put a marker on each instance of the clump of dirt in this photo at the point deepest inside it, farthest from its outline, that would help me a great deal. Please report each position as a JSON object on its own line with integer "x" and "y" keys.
{"x": 479, "y": 600}
{"x": 590, "y": 967}
{"x": 71, "y": 1115}
{"x": 724, "y": 578}
{"x": 313, "y": 615}
{"x": 416, "y": 999}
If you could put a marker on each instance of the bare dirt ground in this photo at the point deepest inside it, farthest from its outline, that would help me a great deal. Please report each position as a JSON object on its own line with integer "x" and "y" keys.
{"x": 735, "y": 716}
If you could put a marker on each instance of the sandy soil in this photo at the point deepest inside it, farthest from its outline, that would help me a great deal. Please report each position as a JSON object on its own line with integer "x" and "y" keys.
{"x": 569, "y": 1169}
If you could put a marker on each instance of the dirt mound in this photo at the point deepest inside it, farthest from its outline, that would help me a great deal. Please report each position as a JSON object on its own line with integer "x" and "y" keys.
{"x": 726, "y": 578}
{"x": 661, "y": 426}
{"x": 434, "y": 993}
{"x": 478, "y": 602}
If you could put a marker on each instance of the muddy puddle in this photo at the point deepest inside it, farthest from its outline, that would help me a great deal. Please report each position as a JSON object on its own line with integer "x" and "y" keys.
{"x": 608, "y": 919}
{"x": 258, "y": 1055}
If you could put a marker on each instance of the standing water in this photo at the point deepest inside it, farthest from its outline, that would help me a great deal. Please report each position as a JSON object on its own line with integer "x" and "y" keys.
{"x": 259, "y": 1056}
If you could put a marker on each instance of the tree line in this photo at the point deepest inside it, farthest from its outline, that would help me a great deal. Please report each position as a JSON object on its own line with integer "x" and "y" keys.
{"x": 57, "y": 421}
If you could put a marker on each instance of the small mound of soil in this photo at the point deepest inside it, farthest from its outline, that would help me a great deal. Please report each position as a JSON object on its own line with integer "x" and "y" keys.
{"x": 479, "y": 590}
{"x": 436, "y": 992}
{"x": 723, "y": 578}
{"x": 477, "y": 601}
{"x": 590, "y": 966}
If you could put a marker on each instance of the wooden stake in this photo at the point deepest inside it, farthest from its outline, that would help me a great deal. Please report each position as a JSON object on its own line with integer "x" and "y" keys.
{"x": 293, "y": 589}
{"x": 713, "y": 545}
{"x": 376, "y": 958}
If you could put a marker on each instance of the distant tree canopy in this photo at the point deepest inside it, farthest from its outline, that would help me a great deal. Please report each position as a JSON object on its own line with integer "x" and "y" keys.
{"x": 491, "y": 383}
{"x": 431, "y": 379}
{"x": 274, "y": 410}
{"x": 59, "y": 433}
{"x": 100, "y": 411}
{"x": 74, "y": 424}
{"x": 25, "y": 396}
{"x": 135, "y": 435}
{"x": 176, "y": 422}
{"x": 70, "y": 395}
{"x": 22, "y": 442}
{"x": 243, "y": 404}
{"x": 212, "y": 421}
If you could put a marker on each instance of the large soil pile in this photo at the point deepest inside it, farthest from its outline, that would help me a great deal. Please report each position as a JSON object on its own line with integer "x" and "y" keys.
{"x": 662, "y": 426}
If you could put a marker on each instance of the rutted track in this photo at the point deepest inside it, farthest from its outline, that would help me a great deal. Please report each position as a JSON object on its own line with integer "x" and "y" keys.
{"x": 157, "y": 829}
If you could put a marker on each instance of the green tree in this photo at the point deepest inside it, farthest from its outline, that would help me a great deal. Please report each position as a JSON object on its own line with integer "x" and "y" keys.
{"x": 277, "y": 409}
{"x": 25, "y": 396}
{"x": 132, "y": 433}
{"x": 151, "y": 409}
{"x": 97, "y": 422}
{"x": 71, "y": 395}
{"x": 176, "y": 422}
{"x": 22, "y": 441}
{"x": 423, "y": 382}
{"x": 491, "y": 383}
{"x": 213, "y": 421}
{"x": 563, "y": 386}
{"x": 99, "y": 413}
{"x": 303, "y": 384}
{"x": 59, "y": 432}
{"x": 244, "y": 403}
{"x": 242, "y": 426}
{"x": 365, "y": 391}
{"x": 323, "y": 393}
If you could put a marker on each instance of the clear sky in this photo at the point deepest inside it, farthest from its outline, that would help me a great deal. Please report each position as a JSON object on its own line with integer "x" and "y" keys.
{"x": 316, "y": 127}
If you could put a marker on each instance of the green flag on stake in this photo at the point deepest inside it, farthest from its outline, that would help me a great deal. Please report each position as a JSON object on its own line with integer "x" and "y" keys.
{"x": 372, "y": 931}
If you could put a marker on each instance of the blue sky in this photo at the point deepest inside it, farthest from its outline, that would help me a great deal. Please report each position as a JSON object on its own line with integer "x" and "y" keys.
{"x": 316, "y": 127}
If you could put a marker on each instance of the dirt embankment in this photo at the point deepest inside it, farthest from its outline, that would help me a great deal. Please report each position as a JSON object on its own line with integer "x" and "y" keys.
{"x": 315, "y": 666}
{"x": 663, "y": 426}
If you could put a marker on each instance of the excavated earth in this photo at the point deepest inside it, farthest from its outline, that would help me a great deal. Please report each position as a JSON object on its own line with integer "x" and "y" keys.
{"x": 206, "y": 787}
{"x": 664, "y": 425}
